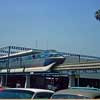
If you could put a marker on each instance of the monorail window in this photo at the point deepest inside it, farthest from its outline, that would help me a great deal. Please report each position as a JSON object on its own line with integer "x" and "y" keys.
{"x": 41, "y": 56}
{"x": 28, "y": 57}
{"x": 14, "y": 59}
{"x": 3, "y": 63}
{"x": 38, "y": 56}
{"x": 54, "y": 55}
{"x": 33, "y": 56}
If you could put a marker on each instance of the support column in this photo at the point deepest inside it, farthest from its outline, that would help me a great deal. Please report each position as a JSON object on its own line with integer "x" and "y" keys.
{"x": 27, "y": 81}
{"x": 2, "y": 81}
{"x": 71, "y": 80}
{"x": 78, "y": 79}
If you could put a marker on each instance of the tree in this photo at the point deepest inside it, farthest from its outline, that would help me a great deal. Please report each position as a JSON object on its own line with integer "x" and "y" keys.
{"x": 97, "y": 14}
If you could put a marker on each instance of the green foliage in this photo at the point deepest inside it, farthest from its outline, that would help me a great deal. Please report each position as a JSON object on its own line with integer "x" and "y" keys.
{"x": 97, "y": 14}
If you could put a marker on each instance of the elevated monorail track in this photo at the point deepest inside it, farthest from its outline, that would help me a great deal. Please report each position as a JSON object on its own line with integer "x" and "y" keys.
{"x": 90, "y": 66}
{"x": 79, "y": 66}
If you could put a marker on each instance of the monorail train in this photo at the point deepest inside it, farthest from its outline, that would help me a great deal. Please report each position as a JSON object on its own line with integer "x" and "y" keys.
{"x": 31, "y": 59}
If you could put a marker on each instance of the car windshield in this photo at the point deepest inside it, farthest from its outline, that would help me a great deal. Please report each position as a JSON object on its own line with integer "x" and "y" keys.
{"x": 43, "y": 95}
{"x": 16, "y": 94}
{"x": 68, "y": 96}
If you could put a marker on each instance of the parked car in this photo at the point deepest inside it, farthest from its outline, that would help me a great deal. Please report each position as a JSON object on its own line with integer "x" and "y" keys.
{"x": 77, "y": 93}
{"x": 25, "y": 93}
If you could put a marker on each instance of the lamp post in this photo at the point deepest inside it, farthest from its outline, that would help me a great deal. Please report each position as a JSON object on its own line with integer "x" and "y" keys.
{"x": 6, "y": 83}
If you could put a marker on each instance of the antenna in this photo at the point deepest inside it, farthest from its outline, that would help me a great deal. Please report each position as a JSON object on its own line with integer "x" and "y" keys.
{"x": 36, "y": 44}
{"x": 47, "y": 44}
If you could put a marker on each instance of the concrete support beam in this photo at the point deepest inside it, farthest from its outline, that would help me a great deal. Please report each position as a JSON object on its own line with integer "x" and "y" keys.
{"x": 2, "y": 81}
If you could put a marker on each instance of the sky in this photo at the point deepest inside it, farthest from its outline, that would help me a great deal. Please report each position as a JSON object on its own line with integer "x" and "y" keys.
{"x": 64, "y": 25}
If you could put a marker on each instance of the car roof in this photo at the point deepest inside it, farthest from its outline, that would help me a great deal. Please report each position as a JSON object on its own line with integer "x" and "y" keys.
{"x": 82, "y": 91}
{"x": 30, "y": 89}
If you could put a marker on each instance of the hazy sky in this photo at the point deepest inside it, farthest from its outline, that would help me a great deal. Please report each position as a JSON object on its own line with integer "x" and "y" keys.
{"x": 64, "y": 25}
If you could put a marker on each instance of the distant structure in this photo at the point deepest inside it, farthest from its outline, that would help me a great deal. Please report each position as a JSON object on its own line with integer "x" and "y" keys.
{"x": 35, "y": 68}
